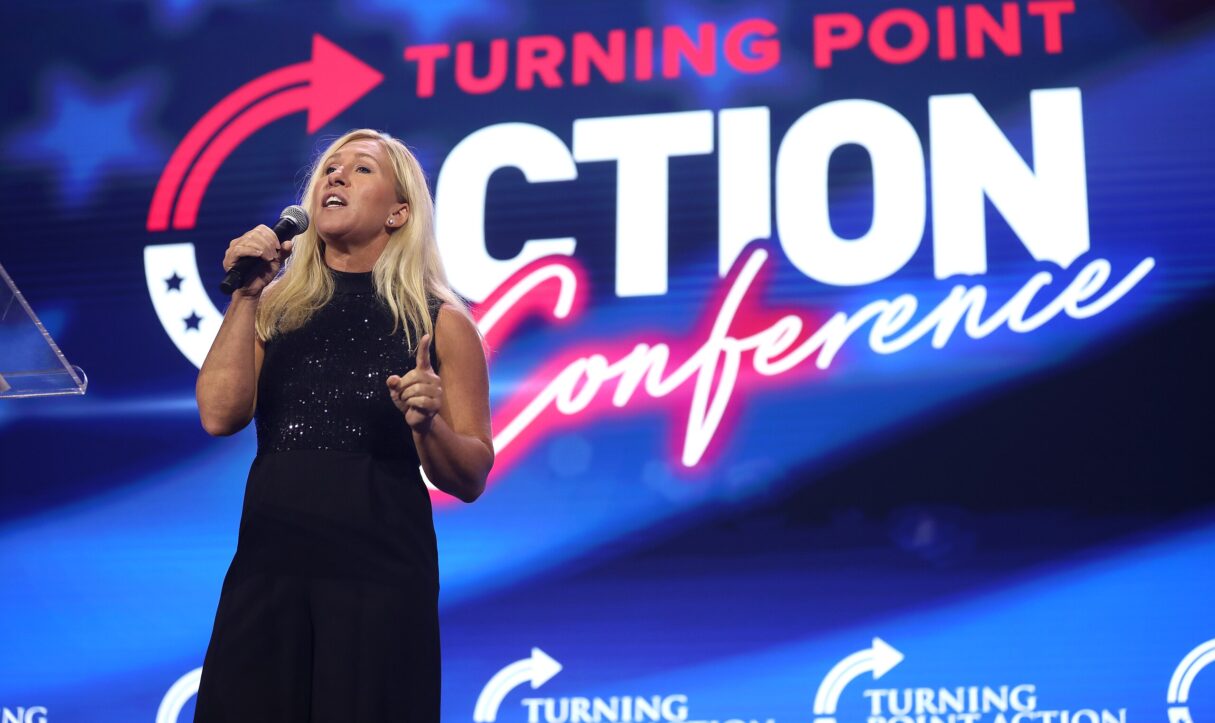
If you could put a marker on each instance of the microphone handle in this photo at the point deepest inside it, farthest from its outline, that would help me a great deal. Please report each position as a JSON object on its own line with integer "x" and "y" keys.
{"x": 241, "y": 271}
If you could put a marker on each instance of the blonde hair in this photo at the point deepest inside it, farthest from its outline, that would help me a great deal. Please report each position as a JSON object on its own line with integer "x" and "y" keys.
{"x": 407, "y": 271}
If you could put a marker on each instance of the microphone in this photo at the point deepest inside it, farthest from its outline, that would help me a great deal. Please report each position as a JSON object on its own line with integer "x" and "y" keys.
{"x": 291, "y": 223}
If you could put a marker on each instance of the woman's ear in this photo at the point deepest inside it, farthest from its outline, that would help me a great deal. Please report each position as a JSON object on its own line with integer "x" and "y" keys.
{"x": 399, "y": 215}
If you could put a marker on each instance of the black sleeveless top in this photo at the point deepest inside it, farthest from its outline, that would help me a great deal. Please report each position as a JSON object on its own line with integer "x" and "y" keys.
{"x": 336, "y": 489}
{"x": 323, "y": 386}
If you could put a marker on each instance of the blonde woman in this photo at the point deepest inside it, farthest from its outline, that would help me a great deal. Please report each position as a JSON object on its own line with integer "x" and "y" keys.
{"x": 329, "y": 611}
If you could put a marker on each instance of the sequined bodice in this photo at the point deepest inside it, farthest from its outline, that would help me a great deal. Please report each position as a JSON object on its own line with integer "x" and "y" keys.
{"x": 323, "y": 386}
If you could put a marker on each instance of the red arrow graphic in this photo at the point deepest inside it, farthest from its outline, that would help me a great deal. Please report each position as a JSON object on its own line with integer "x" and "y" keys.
{"x": 327, "y": 85}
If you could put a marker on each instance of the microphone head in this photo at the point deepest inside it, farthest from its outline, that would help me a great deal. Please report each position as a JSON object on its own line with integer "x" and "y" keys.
{"x": 297, "y": 216}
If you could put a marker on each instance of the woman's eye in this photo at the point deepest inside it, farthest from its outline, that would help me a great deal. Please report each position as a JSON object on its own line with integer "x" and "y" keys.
{"x": 329, "y": 169}
{"x": 363, "y": 169}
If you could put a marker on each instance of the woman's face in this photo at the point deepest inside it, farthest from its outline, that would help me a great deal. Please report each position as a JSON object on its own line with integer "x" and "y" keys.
{"x": 356, "y": 195}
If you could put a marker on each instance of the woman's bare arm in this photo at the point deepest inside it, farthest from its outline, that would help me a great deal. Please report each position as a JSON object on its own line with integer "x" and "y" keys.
{"x": 227, "y": 382}
{"x": 449, "y": 416}
{"x": 226, "y": 389}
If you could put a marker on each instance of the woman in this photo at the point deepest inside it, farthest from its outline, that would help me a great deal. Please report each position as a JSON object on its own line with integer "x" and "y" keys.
{"x": 329, "y": 611}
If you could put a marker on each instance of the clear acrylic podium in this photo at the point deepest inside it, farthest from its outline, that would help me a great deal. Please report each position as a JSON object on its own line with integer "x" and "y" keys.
{"x": 31, "y": 364}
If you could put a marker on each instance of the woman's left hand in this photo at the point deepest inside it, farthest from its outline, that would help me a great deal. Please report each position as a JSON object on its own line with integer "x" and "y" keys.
{"x": 418, "y": 394}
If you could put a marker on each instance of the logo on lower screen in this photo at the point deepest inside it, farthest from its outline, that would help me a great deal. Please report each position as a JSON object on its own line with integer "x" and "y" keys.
{"x": 1183, "y": 677}
{"x": 540, "y": 667}
{"x": 33, "y": 714}
{"x": 180, "y": 693}
{"x": 999, "y": 703}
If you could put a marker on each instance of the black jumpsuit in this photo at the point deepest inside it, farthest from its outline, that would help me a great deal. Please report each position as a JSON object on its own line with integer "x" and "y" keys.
{"x": 329, "y": 611}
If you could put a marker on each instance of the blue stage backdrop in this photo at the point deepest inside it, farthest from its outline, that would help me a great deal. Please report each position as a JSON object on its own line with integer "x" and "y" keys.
{"x": 851, "y": 360}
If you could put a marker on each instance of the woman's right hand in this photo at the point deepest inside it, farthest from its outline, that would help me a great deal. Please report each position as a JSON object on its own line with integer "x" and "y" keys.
{"x": 262, "y": 243}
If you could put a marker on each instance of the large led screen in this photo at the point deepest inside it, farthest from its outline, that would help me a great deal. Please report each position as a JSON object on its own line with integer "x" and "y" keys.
{"x": 849, "y": 361}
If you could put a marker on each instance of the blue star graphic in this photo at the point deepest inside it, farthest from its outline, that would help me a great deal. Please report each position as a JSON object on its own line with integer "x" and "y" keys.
{"x": 192, "y": 321}
{"x": 175, "y": 15}
{"x": 84, "y": 132}
{"x": 173, "y": 283}
{"x": 433, "y": 21}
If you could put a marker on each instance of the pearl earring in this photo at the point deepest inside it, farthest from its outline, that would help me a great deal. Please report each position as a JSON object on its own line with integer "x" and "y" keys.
{"x": 390, "y": 222}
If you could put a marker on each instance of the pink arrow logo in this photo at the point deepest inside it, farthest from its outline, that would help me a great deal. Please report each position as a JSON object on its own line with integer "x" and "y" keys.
{"x": 324, "y": 86}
